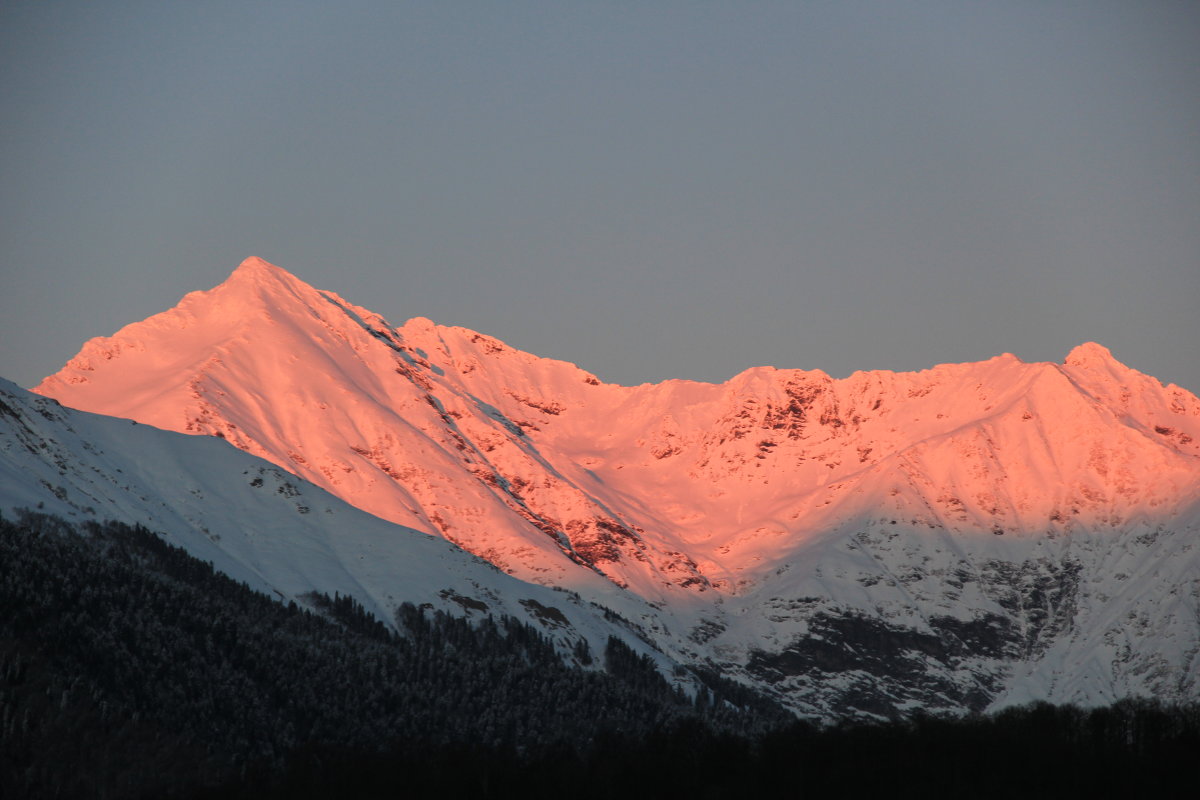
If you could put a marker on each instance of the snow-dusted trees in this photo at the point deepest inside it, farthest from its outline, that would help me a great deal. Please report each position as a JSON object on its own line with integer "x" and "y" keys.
{"x": 117, "y": 648}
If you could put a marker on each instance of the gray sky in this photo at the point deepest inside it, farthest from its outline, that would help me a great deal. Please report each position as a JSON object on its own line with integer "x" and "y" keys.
{"x": 650, "y": 190}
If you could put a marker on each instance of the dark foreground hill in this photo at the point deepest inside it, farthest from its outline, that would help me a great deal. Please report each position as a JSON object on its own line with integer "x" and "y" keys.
{"x": 130, "y": 669}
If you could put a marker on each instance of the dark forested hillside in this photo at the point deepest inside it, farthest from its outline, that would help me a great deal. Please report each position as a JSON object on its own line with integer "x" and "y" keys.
{"x": 127, "y": 667}
{"x": 130, "y": 669}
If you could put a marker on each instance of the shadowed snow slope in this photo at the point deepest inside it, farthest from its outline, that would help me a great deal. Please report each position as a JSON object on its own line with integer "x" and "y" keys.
{"x": 957, "y": 537}
{"x": 258, "y": 524}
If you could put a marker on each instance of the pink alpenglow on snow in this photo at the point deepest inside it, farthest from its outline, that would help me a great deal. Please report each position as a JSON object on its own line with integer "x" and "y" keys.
{"x": 722, "y": 517}
{"x": 536, "y": 465}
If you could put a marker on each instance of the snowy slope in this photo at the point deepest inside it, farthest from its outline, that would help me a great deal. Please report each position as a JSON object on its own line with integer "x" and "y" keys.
{"x": 998, "y": 527}
{"x": 257, "y": 523}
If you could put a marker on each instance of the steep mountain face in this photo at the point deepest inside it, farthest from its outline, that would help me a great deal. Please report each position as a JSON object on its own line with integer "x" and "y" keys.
{"x": 964, "y": 536}
{"x": 272, "y": 530}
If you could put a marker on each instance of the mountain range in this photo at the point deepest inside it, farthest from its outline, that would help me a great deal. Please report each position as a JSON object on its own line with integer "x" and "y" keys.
{"x": 962, "y": 538}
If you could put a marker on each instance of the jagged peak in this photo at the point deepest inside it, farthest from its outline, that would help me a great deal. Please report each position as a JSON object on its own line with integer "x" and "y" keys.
{"x": 1091, "y": 354}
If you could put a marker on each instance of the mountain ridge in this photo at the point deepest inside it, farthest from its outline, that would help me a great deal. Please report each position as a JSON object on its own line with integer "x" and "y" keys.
{"x": 689, "y": 496}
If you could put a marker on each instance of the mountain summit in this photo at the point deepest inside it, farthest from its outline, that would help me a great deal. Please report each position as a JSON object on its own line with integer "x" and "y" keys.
{"x": 974, "y": 513}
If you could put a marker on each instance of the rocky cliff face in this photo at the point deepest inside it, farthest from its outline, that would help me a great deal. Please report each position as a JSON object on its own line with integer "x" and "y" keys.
{"x": 963, "y": 536}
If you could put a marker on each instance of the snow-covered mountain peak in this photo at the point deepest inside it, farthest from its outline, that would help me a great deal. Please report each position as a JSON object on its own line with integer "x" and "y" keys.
{"x": 258, "y": 285}
{"x": 779, "y": 488}
{"x": 1092, "y": 355}
{"x": 419, "y": 325}
{"x": 443, "y": 428}
{"x": 255, "y": 266}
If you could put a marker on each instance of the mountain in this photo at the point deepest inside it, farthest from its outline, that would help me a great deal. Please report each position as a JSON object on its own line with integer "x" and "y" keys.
{"x": 274, "y": 531}
{"x": 964, "y": 537}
